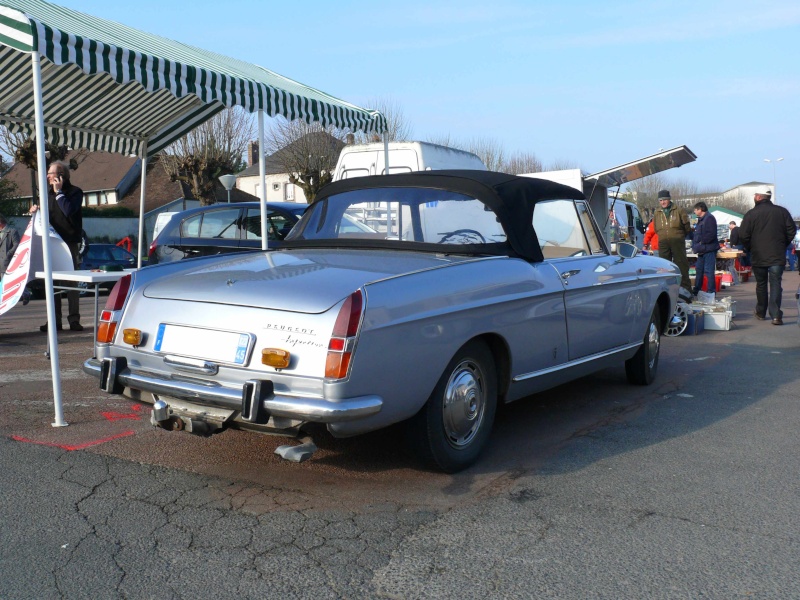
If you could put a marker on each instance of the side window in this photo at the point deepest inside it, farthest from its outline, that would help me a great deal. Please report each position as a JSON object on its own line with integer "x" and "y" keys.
{"x": 118, "y": 253}
{"x": 278, "y": 225}
{"x": 559, "y": 229}
{"x": 251, "y": 225}
{"x": 592, "y": 235}
{"x": 220, "y": 224}
{"x": 190, "y": 228}
{"x": 350, "y": 173}
{"x": 96, "y": 253}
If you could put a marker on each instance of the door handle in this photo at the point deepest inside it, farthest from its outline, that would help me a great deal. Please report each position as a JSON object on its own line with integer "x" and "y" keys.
{"x": 567, "y": 274}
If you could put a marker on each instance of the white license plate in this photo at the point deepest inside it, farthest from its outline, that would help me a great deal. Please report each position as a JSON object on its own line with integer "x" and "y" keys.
{"x": 210, "y": 344}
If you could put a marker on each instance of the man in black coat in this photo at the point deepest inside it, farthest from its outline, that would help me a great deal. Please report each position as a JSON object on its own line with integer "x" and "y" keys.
{"x": 65, "y": 205}
{"x": 705, "y": 244}
{"x": 766, "y": 231}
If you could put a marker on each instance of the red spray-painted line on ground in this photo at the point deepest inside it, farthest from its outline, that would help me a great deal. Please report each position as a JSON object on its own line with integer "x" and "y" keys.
{"x": 115, "y": 416}
{"x": 70, "y": 447}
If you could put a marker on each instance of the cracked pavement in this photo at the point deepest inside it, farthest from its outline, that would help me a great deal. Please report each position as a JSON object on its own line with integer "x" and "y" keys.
{"x": 687, "y": 488}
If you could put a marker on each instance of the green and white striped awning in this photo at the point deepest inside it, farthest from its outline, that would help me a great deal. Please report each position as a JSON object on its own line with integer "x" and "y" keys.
{"x": 110, "y": 87}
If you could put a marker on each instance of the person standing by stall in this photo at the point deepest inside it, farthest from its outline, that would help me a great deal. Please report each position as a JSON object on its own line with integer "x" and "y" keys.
{"x": 66, "y": 217}
{"x": 736, "y": 244}
{"x": 705, "y": 244}
{"x": 767, "y": 230}
{"x": 9, "y": 240}
{"x": 672, "y": 226}
{"x": 650, "y": 237}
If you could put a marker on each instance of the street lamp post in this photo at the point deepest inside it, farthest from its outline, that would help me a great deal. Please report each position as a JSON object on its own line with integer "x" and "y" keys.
{"x": 774, "y": 187}
{"x": 228, "y": 181}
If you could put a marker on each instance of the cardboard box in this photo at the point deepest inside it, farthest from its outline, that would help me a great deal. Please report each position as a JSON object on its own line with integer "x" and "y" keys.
{"x": 695, "y": 323}
{"x": 718, "y": 321}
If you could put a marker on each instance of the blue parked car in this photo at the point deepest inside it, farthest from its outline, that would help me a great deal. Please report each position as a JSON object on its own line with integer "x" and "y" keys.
{"x": 102, "y": 255}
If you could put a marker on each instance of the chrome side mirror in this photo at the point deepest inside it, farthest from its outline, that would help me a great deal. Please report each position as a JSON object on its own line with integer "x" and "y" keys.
{"x": 625, "y": 250}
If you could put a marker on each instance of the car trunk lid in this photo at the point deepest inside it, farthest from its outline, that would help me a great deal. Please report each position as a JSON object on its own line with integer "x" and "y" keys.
{"x": 307, "y": 281}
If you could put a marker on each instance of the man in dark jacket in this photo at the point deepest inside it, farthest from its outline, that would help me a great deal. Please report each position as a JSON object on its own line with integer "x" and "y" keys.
{"x": 705, "y": 244}
{"x": 766, "y": 231}
{"x": 65, "y": 204}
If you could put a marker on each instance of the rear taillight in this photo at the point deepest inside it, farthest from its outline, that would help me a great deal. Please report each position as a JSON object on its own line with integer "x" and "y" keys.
{"x": 151, "y": 251}
{"x": 343, "y": 338}
{"x": 111, "y": 313}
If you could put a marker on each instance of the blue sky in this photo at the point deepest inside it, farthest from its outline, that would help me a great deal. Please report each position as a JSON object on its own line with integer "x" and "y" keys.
{"x": 594, "y": 83}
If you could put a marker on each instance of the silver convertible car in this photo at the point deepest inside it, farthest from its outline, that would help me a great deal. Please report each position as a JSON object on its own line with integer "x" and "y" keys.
{"x": 465, "y": 289}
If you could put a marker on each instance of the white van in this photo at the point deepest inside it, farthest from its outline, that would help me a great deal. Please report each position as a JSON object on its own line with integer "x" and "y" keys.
{"x": 631, "y": 224}
{"x": 358, "y": 160}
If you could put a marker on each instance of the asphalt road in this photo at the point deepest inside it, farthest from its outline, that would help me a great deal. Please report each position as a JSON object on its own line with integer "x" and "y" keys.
{"x": 688, "y": 488}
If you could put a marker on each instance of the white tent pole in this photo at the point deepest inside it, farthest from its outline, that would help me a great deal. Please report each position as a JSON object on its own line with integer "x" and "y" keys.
{"x": 143, "y": 155}
{"x": 44, "y": 210}
{"x": 262, "y": 173}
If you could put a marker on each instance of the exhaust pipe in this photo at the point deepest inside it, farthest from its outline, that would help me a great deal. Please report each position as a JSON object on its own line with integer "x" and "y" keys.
{"x": 160, "y": 417}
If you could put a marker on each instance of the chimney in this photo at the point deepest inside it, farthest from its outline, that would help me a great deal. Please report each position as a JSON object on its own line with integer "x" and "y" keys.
{"x": 252, "y": 154}
{"x": 350, "y": 139}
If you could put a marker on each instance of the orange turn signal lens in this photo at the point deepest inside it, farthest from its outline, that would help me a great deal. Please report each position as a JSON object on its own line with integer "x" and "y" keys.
{"x": 105, "y": 332}
{"x": 275, "y": 357}
{"x": 336, "y": 365}
{"x": 132, "y": 336}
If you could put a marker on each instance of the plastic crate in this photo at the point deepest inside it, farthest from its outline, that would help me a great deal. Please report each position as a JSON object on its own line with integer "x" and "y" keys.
{"x": 717, "y": 321}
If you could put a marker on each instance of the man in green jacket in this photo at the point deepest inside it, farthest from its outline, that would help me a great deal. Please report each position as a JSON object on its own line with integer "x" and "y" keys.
{"x": 672, "y": 226}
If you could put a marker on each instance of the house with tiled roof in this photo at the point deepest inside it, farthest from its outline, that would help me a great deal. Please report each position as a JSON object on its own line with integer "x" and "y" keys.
{"x": 108, "y": 179}
{"x": 160, "y": 192}
{"x": 104, "y": 177}
{"x": 279, "y": 188}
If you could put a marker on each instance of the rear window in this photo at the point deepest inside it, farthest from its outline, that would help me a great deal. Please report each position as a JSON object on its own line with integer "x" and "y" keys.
{"x": 414, "y": 215}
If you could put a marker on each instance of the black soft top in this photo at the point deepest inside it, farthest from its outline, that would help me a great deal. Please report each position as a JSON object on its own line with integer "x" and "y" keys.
{"x": 510, "y": 197}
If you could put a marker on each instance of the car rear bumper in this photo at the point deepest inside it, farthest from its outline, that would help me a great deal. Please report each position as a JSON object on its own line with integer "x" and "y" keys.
{"x": 115, "y": 375}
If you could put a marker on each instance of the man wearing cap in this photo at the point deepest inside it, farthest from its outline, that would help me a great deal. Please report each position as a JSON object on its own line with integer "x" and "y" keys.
{"x": 766, "y": 231}
{"x": 672, "y": 225}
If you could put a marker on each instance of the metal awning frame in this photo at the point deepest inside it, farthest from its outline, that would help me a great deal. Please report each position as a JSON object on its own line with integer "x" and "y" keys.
{"x": 21, "y": 32}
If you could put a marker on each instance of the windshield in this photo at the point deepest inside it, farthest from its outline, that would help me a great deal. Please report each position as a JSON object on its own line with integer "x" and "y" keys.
{"x": 401, "y": 214}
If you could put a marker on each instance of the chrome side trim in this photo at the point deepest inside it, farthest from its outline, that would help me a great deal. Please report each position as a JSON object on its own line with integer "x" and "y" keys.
{"x": 574, "y": 363}
{"x": 300, "y": 408}
{"x": 617, "y": 281}
{"x": 659, "y": 276}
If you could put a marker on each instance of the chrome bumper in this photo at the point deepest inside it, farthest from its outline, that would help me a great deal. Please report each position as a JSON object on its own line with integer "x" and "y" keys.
{"x": 115, "y": 375}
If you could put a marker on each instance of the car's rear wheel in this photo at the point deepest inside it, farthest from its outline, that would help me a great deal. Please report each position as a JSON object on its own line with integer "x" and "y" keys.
{"x": 454, "y": 425}
{"x": 641, "y": 368}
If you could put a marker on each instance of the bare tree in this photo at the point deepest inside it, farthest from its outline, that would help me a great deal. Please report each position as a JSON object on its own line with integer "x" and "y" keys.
{"x": 21, "y": 147}
{"x": 523, "y": 162}
{"x": 306, "y": 151}
{"x": 562, "y": 164}
{"x": 644, "y": 192}
{"x": 489, "y": 150}
{"x": 8, "y": 191}
{"x": 214, "y": 148}
{"x": 398, "y": 127}
{"x": 740, "y": 202}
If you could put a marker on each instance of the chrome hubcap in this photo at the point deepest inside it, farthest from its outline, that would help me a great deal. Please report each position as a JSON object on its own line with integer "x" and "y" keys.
{"x": 679, "y": 321}
{"x": 464, "y": 403}
{"x": 653, "y": 342}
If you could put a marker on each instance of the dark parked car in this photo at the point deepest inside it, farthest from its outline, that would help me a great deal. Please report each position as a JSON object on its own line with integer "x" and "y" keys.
{"x": 98, "y": 256}
{"x": 221, "y": 228}
{"x": 102, "y": 255}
